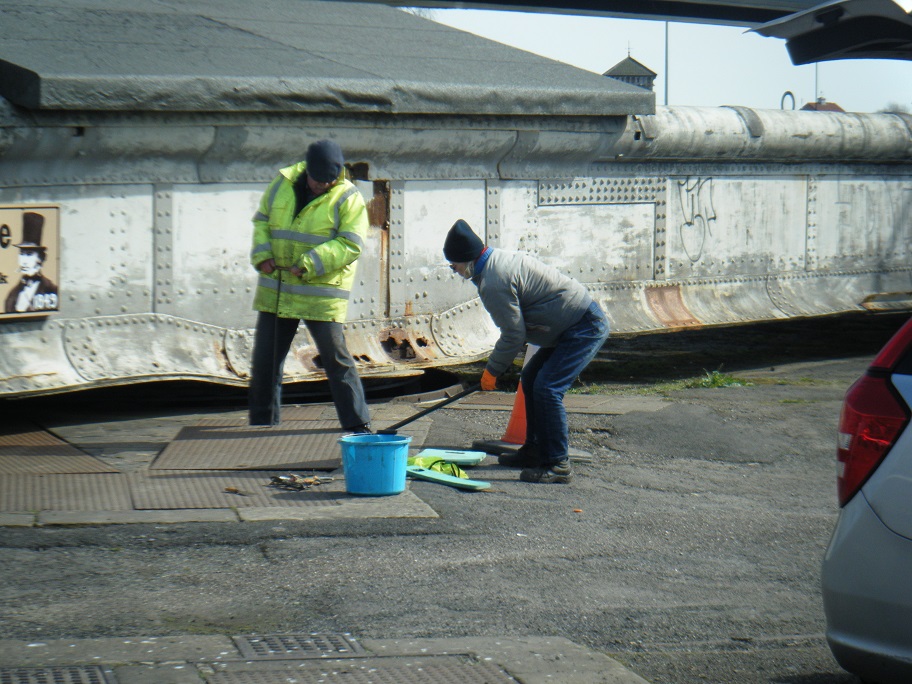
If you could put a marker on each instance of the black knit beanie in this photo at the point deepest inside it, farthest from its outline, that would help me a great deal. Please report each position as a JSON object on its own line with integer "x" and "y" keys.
{"x": 324, "y": 161}
{"x": 462, "y": 244}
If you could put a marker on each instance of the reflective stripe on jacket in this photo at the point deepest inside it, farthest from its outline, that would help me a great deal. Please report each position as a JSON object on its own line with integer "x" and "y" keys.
{"x": 325, "y": 239}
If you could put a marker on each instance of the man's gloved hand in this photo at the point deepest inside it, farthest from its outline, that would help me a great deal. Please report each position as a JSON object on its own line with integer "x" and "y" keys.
{"x": 488, "y": 381}
{"x": 267, "y": 266}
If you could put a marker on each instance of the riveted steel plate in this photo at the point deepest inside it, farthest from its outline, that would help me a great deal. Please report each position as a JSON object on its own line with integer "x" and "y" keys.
{"x": 143, "y": 345}
{"x": 88, "y": 674}
{"x": 465, "y": 331}
{"x": 619, "y": 190}
{"x": 180, "y": 489}
{"x": 56, "y": 492}
{"x": 448, "y": 669}
{"x": 302, "y": 447}
{"x": 296, "y": 645}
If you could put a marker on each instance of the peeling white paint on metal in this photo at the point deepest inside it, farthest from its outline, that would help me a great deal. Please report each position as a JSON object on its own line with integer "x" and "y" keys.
{"x": 694, "y": 216}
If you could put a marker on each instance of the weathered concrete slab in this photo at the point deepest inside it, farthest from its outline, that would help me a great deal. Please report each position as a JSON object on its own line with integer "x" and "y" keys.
{"x": 216, "y": 658}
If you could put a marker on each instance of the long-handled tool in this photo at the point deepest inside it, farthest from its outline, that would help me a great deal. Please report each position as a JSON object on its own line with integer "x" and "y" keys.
{"x": 391, "y": 430}
{"x": 277, "y": 371}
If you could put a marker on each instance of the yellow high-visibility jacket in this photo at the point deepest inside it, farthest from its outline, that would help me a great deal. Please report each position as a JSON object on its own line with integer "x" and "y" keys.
{"x": 326, "y": 239}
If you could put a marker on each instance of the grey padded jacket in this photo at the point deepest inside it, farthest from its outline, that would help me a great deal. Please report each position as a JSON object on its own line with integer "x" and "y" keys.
{"x": 529, "y": 301}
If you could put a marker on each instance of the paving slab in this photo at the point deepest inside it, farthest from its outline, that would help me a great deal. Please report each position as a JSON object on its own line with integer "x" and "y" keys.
{"x": 573, "y": 403}
{"x": 222, "y": 659}
{"x": 17, "y": 519}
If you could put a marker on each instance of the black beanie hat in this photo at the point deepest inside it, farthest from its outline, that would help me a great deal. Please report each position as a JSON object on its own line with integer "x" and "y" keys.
{"x": 462, "y": 244}
{"x": 324, "y": 161}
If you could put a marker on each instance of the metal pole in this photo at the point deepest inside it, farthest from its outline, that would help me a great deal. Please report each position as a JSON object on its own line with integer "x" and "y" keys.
{"x": 666, "y": 63}
{"x": 276, "y": 373}
{"x": 816, "y": 82}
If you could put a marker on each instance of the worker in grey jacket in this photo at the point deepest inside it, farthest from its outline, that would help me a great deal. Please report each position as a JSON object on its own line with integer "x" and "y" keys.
{"x": 531, "y": 302}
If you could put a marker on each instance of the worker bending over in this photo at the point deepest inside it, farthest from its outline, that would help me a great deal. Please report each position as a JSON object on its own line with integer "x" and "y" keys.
{"x": 531, "y": 302}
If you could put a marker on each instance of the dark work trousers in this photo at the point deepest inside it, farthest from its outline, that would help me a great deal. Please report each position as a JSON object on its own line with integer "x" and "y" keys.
{"x": 549, "y": 373}
{"x": 270, "y": 347}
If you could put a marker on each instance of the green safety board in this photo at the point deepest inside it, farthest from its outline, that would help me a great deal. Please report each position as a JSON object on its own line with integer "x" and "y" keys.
{"x": 462, "y": 458}
{"x": 443, "y": 478}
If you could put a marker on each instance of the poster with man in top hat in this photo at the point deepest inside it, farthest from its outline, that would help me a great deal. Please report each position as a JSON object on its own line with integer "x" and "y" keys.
{"x": 35, "y": 291}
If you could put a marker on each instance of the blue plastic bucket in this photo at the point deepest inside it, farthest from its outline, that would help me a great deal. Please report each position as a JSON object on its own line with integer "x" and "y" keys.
{"x": 374, "y": 465}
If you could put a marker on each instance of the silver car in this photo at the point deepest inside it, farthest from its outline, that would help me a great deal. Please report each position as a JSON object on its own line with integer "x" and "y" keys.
{"x": 867, "y": 570}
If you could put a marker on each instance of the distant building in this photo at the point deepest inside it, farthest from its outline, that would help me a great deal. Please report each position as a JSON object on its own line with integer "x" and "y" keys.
{"x": 822, "y": 106}
{"x": 631, "y": 71}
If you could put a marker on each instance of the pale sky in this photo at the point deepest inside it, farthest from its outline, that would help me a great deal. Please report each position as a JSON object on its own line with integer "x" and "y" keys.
{"x": 708, "y": 65}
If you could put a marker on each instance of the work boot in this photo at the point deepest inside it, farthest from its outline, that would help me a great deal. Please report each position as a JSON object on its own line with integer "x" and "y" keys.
{"x": 527, "y": 456}
{"x": 551, "y": 473}
{"x": 364, "y": 429}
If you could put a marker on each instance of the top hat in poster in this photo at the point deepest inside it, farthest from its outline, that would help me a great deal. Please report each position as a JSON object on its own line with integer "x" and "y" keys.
{"x": 32, "y": 225}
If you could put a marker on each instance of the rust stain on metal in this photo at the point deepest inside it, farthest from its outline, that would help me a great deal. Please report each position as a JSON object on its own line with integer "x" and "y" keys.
{"x": 379, "y": 217}
{"x": 668, "y": 306}
{"x": 403, "y": 345}
{"x": 221, "y": 356}
{"x": 885, "y": 302}
{"x": 309, "y": 357}
{"x": 378, "y": 212}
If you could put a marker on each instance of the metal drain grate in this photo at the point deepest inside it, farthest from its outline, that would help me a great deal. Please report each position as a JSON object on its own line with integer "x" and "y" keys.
{"x": 254, "y": 448}
{"x": 297, "y": 645}
{"x": 91, "y": 674}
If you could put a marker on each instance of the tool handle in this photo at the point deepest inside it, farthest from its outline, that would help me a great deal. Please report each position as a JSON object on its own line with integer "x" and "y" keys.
{"x": 391, "y": 430}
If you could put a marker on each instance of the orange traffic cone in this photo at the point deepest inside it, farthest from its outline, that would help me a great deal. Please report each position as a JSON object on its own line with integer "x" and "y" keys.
{"x": 515, "y": 436}
{"x": 516, "y": 428}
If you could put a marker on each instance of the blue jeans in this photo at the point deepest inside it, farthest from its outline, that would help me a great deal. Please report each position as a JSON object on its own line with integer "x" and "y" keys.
{"x": 270, "y": 347}
{"x": 549, "y": 374}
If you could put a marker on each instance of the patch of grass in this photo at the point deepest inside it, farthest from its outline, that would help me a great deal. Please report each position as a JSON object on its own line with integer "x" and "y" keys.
{"x": 590, "y": 388}
{"x": 665, "y": 387}
{"x": 709, "y": 380}
{"x": 799, "y": 382}
{"x": 715, "y": 379}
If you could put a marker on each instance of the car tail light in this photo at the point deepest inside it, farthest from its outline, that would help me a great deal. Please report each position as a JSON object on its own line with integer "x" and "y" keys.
{"x": 894, "y": 350}
{"x": 873, "y": 416}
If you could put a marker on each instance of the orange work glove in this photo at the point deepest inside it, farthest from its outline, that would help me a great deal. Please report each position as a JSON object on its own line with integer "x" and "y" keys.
{"x": 488, "y": 381}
